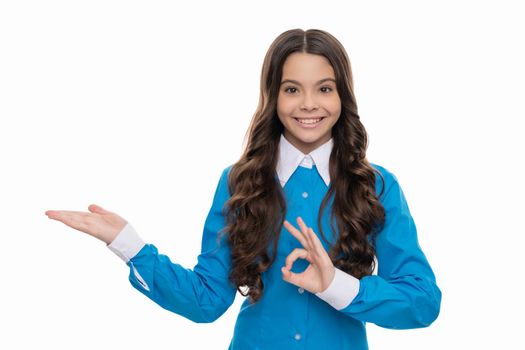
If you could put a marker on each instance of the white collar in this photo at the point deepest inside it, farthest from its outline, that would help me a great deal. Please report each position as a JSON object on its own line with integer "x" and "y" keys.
{"x": 289, "y": 158}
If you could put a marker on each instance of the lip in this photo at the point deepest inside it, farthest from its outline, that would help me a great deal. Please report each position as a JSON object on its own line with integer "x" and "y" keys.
{"x": 311, "y": 117}
{"x": 310, "y": 126}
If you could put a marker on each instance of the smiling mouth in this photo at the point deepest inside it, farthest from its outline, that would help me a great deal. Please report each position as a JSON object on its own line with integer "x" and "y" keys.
{"x": 309, "y": 121}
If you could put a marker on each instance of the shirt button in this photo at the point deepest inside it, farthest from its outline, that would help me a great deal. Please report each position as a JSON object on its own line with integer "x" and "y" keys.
{"x": 301, "y": 290}
{"x": 297, "y": 336}
{"x": 305, "y": 194}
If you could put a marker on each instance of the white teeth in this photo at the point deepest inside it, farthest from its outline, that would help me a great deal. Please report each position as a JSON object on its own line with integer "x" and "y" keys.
{"x": 309, "y": 121}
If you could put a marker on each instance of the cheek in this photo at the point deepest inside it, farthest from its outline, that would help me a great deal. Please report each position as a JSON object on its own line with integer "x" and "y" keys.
{"x": 284, "y": 107}
{"x": 334, "y": 106}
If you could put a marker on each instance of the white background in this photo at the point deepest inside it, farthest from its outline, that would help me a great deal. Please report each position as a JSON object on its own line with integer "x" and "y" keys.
{"x": 139, "y": 106}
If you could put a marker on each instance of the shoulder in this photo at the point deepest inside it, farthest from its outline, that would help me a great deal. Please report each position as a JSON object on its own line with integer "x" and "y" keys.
{"x": 226, "y": 171}
{"x": 223, "y": 183}
{"x": 222, "y": 190}
{"x": 386, "y": 179}
{"x": 225, "y": 174}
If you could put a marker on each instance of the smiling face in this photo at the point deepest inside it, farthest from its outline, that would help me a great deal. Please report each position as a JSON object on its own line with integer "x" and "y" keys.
{"x": 308, "y": 104}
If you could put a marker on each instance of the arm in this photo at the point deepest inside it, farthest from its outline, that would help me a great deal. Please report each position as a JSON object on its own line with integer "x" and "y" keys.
{"x": 202, "y": 294}
{"x": 404, "y": 293}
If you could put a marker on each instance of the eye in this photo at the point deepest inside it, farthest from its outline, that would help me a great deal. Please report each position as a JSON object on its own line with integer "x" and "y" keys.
{"x": 290, "y": 88}
{"x": 326, "y": 87}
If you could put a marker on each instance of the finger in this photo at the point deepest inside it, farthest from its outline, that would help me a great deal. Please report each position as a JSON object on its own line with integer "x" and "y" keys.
{"x": 296, "y": 254}
{"x": 75, "y": 219}
{"x": 302, "y": 225}
{"x": 53, "y": 213}
{"x": 98, "y": 209}
{"x": 292, "y": 277}
{"x": 318, "y": 249}
{"x": 61, "y": 214}
{"x": 297, "y": 234}
{"x": 304, "y": 230}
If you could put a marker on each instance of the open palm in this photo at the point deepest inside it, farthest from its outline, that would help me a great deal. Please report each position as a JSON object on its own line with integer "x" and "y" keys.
{"x": 99, "y": 223}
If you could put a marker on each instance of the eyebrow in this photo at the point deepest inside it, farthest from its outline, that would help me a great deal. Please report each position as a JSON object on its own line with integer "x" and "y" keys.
{"x": 298, "y": 83}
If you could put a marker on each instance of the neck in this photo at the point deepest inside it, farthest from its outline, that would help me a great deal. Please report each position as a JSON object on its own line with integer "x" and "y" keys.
{"x": 305, "y": 147}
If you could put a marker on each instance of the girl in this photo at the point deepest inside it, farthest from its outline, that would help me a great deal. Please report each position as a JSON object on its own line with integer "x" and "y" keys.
{"x": 309, "y": 285}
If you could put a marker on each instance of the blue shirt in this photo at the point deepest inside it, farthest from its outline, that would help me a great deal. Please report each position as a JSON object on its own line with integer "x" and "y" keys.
{"x": 403, "y": 294}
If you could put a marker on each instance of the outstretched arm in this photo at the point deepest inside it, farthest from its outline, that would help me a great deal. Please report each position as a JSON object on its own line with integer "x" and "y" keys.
{"x": 201, "y": 294}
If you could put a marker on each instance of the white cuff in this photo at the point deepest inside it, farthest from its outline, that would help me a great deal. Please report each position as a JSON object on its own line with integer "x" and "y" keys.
{"x": 127, "y": 243}
{"x": 341, "y": 291}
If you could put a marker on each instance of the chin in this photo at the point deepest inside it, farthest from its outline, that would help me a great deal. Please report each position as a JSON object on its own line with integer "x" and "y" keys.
{"x": 309, "y": 137}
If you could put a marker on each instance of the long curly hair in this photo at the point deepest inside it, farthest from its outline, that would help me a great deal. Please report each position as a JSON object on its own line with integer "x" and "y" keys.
{"x": 256, "y": 209}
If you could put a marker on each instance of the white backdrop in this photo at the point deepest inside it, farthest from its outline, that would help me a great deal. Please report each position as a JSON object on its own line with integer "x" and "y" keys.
{"x": 139, "y": 106}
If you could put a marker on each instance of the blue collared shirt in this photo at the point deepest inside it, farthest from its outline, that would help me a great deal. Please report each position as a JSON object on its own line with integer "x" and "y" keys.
{"x": 403, "y": 293}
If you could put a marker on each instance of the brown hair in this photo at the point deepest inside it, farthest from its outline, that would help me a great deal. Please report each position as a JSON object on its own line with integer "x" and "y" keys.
{"x": 256, "y": 209}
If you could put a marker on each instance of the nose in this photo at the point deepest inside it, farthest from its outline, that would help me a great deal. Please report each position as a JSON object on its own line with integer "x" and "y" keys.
{"x": 308, "y": 103}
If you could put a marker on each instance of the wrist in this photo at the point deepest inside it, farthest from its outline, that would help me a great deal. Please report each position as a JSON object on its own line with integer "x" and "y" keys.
{"x": 127, "y": 243}
{"x": 329, "y": 280}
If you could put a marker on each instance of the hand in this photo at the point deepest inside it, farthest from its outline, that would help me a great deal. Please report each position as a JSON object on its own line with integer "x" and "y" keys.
{"x": 100, "y": 223}
{"x": 321, "y": 271}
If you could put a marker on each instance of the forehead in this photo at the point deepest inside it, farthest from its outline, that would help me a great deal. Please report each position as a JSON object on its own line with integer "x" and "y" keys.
{"x": 307, "y": 67}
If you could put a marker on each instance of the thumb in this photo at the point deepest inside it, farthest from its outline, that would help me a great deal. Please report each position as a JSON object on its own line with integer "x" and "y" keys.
{"x": 288, "y": 275}
{"x": 97, "y": 209}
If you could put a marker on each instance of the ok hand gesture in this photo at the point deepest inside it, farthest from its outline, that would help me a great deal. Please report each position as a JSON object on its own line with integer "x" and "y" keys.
{"x": 321, "y": 271}
{"x": 99, "y": 223}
